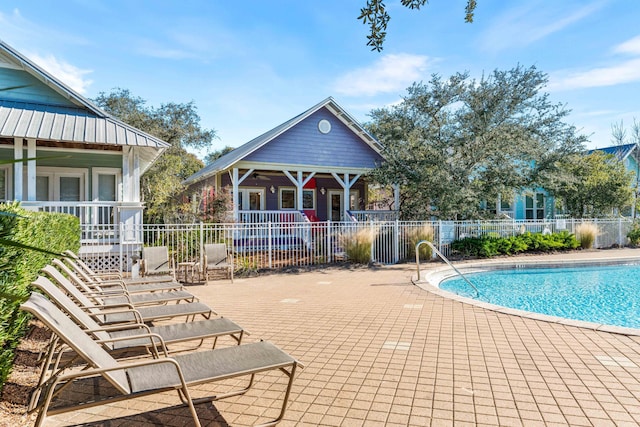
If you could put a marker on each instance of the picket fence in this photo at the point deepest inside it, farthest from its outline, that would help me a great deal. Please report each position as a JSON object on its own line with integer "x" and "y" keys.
{"x": 276, "y": 245}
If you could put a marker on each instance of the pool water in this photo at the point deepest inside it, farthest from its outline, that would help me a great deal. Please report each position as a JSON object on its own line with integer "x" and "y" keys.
{"x": 605, "y": 294}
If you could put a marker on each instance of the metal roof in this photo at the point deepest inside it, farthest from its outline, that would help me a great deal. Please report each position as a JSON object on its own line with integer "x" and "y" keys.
{"x": 56, "y": 123}
{"x": 229, "y": 159}
{"x": 620, "y": 151}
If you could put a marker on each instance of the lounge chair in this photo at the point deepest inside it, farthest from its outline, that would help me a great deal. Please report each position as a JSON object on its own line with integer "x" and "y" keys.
{"x": 90, "y": 276}
{"x": 144, "y": 377}
{"x": 138, "y": 334}
{"x": 129, "y": 336}
{"x": 217, "y": 258}
{"x": 120, "y": 312}
{"x": 80, "y": 275}
{"x": 117, "y": 292}
{"x": 156, "y": 261}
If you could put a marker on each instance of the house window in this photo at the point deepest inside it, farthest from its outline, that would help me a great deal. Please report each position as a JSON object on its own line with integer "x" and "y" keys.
{"x": 106, "y": 184}
{"x": 61, "y": 184}
{"x": 43, "y": 192}
{"x": 309, "y": 199}
{"x": 70, "y": 189}
{"x": 4, "y": 184}
{"x": 251, "y": 199}
{"x": 354, "y": 200}
{"x": 287, "y": 198}
{"x": 534, "y": 206}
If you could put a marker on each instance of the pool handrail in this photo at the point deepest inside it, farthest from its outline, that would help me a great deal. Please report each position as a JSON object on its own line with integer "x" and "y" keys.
{"x": 444, "y": 258}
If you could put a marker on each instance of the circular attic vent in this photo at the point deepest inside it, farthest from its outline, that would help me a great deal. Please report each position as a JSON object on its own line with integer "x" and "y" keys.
{"x": 324, "y": 126}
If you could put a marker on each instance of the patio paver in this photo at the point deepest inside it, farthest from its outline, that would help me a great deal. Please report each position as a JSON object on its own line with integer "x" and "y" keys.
{"x": 381, "y": 351}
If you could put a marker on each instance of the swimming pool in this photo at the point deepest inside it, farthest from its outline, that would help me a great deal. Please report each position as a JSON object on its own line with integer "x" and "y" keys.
{"x": 607, "y": 295}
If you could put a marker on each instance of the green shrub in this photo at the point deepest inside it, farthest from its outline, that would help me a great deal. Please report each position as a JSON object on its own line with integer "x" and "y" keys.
{"x": 634, "y": 235}
{"x": 19, "y": 267}
{"x": 489, "y": 246}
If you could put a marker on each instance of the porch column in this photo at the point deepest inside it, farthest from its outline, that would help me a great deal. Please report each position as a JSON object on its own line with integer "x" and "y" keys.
{"x": 234, "y": 184}
{"x": 17, "y": 169}
{"x": 236, "y": 179}
{"x": 346, "y": 184}
{"x": 299, "y": 182}
{"x": 136, "y": 176}
{"x": 31, "y": 170}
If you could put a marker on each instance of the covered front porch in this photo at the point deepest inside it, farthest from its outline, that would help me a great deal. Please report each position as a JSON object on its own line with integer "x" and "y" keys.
{"x": 282, "y": 196}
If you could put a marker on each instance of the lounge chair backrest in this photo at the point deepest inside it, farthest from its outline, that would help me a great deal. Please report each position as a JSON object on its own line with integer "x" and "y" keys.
{"x": 73, "y": 277}
{"x": 75, "y": 293}
{"x": 76, "y": 339}
{"x": 69, "y": 306}
{"x": 216, "y": 253}
{"x": 156, "y": 259}
{"x": 79, "y": 270}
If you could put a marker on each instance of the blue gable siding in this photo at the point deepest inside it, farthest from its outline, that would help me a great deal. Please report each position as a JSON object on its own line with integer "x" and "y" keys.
{"x": 33, "y": 91}
{"x": 304, "y": 144}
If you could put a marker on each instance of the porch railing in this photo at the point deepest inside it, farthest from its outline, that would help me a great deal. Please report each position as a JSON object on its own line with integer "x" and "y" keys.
{"x": 375, "y": 216}
{"x": 274, "y": 245}
{"x": 263, "y": 217}
{"x": 100, "y": 221}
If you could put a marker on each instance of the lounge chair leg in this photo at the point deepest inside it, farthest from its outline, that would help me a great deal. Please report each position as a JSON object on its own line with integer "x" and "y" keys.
{"x": 186, "y": 399}
{"x": 285, "y": 400}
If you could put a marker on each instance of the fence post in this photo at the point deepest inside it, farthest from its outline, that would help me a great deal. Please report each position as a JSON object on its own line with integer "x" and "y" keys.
{"x": 270, "y": 244}
{"x": 121, "y": 245}
{"x": 373, "y": 241}
{"x": 328, "y": 245}
{"x": 396, "y": 242}
{"x": 439, "y": 237}
{"x": 595, "y": 244}
{"x": 201, "y": 243}
{"x": 620, "y": 232}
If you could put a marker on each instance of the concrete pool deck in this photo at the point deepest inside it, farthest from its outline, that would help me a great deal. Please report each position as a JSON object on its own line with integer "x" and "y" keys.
{"x": 379, "y": 350}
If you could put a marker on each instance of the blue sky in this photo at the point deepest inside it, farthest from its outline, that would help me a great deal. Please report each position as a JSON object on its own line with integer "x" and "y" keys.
{"x": 250, "y": 65}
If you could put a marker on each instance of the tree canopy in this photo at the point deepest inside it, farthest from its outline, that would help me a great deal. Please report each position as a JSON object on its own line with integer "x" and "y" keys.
{"x": 179, "y": 125}
{"x": 593, "y": 185}
{"x": 452, "y": 143}
{"x": 376, "y": 16}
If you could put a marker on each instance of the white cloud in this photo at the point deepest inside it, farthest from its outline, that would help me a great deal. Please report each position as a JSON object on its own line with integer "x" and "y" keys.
{"x": 69, "y": 74}
{"x": 623, "y": 72}
{"x": 388, "y": 74}
{"x": 631, "y": 46}
{"x": 527, "y": 24}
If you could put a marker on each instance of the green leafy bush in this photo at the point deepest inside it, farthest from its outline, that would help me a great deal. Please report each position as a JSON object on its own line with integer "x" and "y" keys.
{"x": 20, "y": 266}
{"x": 489, "y": 246}
{"x": 634, "y": 235}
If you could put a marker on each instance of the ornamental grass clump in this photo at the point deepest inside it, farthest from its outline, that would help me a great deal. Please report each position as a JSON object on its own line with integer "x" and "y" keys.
{"x": 415, "y": 235}
{"x": 586, "y": 234}
{"x": 357, "y": 245}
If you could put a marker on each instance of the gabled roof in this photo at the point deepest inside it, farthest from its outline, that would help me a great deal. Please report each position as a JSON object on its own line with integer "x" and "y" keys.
{"x": 620, "y": 151}
{"x": 228, "y": 160}
{"x": 87, "y": 123}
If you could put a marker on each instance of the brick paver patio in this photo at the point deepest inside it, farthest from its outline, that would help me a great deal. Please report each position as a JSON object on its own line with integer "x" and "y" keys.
{"x": 379, "y": 350}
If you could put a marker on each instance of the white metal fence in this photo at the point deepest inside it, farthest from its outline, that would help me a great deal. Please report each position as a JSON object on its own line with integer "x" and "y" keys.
{"x": 282, "y": 244}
